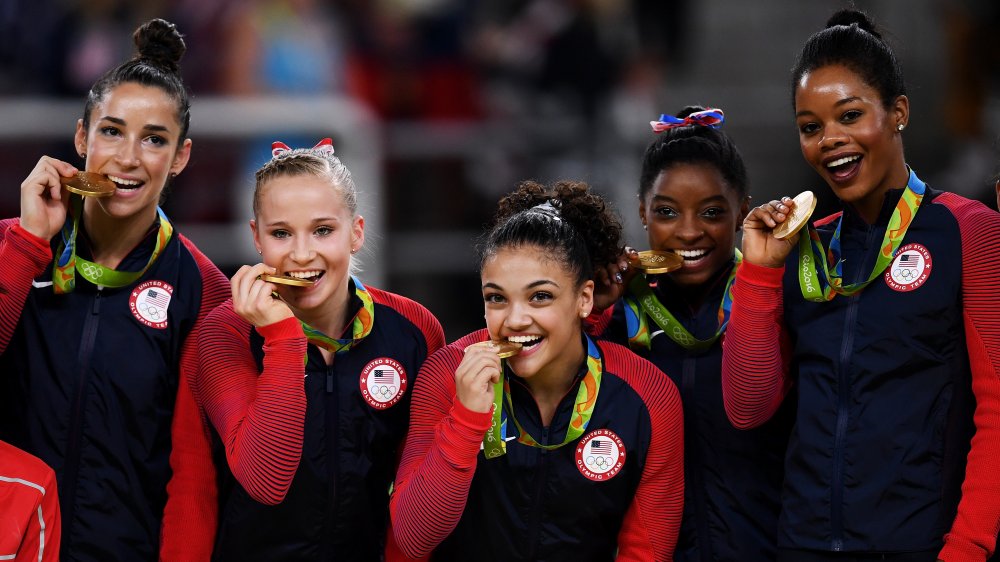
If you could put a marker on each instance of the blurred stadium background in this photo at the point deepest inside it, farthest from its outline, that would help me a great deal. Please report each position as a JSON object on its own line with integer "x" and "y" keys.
{"x": 441, "y": 106}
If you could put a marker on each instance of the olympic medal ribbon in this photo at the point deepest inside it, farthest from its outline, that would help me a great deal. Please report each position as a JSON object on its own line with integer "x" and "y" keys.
{"x": 583, "y": 409}
{"x": 68, "y": 264}
{"x": 361, "y": 325}
{"x": 821, "y": 285}
{"x": 641, "y": 302}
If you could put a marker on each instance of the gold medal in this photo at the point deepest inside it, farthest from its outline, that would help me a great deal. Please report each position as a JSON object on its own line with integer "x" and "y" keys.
{"x": 286, "y": 280}
{"x": 805, "y": 204}
{"x": 504, "y": 349}
{"x": 656, "y": 261}
{"x": 89, "y": 184}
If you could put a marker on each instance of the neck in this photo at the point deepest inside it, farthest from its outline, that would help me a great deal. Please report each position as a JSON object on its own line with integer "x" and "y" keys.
{"x": 333, "y": 319}
{"x": 111, "y": 239}
{"x": 870, "y": 207}
{"x": 551, "y": 384}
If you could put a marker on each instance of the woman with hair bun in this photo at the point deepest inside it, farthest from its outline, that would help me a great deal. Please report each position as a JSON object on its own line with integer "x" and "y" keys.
{"x": 571, "y": 449}
{"x": 881, "y": 320}
{"x": 100, "y": 305}
{"x": 693, "y": 196}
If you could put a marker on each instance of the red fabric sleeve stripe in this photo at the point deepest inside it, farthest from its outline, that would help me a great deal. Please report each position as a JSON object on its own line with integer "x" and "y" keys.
{"x": 190, "y": 515}
{"x": 439, "y": 460}
{"x": 755, "y": 351}
{"x": 652, "y": 523}
{"x": 416, "y": 313}
{"x": 974, "y": 532}
{"x": 23, "y": 256}
{"x": 259, "y": 416}
{"x": 597, "y": 323}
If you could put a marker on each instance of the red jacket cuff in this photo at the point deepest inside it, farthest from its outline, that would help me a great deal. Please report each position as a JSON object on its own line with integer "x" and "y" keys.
{"x": 759, "y": 275}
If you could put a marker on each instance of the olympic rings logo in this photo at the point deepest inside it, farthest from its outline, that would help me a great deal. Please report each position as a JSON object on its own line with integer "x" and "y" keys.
{"x": 91, "y": 271}
{"x": 681, "y": 337}
{"x": 385, "y": 391}
{"x": 153, "y": 312}
{"x": 599, "y": 463}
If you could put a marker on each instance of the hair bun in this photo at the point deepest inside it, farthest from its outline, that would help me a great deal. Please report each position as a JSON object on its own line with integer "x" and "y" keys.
{"x": 851, "y": 17}
{"x": 159, "y": 42}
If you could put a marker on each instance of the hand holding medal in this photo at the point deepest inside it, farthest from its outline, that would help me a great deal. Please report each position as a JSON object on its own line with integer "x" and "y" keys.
{"x": 479, "y": 374}
{"x": 769, "y": 231}
{"x": 253, "y": 295}
{"x": 89, "y": 184}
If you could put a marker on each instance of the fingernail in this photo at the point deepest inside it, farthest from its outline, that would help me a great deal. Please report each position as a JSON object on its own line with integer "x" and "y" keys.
{"x": 618, "y": 277}
{"x": 623, "y": 266}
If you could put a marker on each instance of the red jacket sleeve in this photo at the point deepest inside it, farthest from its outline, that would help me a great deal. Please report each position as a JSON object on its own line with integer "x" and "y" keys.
{"x": 974, "y": 533}
{"x": 439, "y": 459}
{"x": 30, "y": 525}
{"x": 259, "y": 416}
{"x": 23, "y": 256}
{"x": 755, "y": 354}
{"x": 652, "y": 523}
{"x": 190, "y": 515}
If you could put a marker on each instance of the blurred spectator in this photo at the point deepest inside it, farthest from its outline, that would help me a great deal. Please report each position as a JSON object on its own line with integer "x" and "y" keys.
{"x": 974, "y": 66}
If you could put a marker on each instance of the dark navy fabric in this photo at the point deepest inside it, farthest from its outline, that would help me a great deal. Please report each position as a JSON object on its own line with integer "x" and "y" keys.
{"x": 732, "y": 477}
{"x": 337, "y": 507}
{"x": 90, "y": 390}
{"x": 875, "y": 464}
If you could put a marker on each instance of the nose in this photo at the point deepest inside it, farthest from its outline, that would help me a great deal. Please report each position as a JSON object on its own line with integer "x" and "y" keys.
{"x": 302, "y": 251}
{"x": 688, "y": 229}
{"x": 833, "y": 137}
{"x": 518, "y": 317}
{"x": 128, "y": 155}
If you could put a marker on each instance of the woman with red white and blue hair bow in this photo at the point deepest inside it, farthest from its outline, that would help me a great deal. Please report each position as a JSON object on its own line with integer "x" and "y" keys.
{"x": 692, "y": 200}
{"x": 306, "y": 374}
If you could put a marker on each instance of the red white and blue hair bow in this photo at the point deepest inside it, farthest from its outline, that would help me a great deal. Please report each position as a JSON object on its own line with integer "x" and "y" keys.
{"x": 324, "y": 146}
{"x": 710, "y": 117}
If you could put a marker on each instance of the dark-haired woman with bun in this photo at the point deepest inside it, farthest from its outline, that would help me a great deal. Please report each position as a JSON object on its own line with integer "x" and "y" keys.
{"x": 571, "y": 449}
{"x": 693, "y": 197}
{"x": 100, "y": 305}
{"x": 881, "y": 320}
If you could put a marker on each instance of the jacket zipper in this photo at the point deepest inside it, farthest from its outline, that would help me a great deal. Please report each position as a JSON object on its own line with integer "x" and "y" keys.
{"x": 693, "y": 457}
{"x": 536, "y": 512}
{"x": 844, "y": 403}
{"x": 69, "y": 481}
{"x": 332, "y": 458}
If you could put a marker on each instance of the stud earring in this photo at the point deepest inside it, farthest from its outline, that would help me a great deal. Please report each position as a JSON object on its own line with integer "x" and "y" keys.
{"x": 584, "y": 314}
{"x": 83, "y": 155}
{"x": 900, "y": 127}
{"x": 644, "y": 226}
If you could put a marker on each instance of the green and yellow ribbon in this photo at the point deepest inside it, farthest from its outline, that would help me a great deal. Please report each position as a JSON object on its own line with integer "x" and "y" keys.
{"x": 68, "y": 264}
{"x": 361, "y": 325}
{"x": 494, "y": 444}
{"x": 823, "y": 285}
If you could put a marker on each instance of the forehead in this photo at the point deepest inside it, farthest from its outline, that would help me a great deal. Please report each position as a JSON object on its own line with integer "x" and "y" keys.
{"x": 830, "y": 84}
{"x": 691, "y": 181}
{"x": 135, "y": 100}
{"x": 301, "y": 193}
{"x": 518, "y": 265}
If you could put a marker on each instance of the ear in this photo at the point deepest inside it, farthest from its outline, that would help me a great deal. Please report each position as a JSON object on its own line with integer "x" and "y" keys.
{"x": 181, "y": 157}
{"x": 357, "y": 233}
{"x": 900, "y": 111}
{"x": 642, "y": 210}
{"x": 585, "y": 302}
{"x": 256, "y": 236}
{"x": 80, "y": 138}
{"x": 744, "y": 211}
{"x": 998, "y": 194}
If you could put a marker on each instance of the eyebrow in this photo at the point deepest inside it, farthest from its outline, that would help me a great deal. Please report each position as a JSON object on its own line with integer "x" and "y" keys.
{"x": 315, "y": 221}
{"x": 838, "y": 104}
{"x": 703, "y": 201}
{"x": 531, "y": 285}
{"x": 148, "y": 127}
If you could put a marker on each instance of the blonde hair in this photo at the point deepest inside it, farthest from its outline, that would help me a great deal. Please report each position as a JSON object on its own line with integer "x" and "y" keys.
{"x": 308, "y": 161}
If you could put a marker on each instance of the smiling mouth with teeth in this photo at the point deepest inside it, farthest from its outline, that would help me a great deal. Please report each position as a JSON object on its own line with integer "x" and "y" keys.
{"x": 691, "y": 254}
{"x": 306, "y": 275}
{"x": 525, "y": 341}
{"x": 122, "y": 183}
{"x": 842, "y": 162}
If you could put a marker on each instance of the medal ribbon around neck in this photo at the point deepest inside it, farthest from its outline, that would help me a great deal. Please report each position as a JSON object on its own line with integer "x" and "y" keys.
{"x": 642, "y": 302}
{"x": 494, "y": 444}
{"x": 68, "y": 264}
{"x": 827, "y": 284}
{"x": 361, "y": 326}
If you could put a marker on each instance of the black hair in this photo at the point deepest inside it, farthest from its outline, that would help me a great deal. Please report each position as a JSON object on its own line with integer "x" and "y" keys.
{"x": 851, "y": 39}
{"x": 576, "y": 226}
{"x": 693, "y": 144}
{"x": 159, "y": 48}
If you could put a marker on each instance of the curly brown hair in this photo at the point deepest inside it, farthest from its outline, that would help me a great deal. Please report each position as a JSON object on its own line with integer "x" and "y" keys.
{"x": 576, "y": 225}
